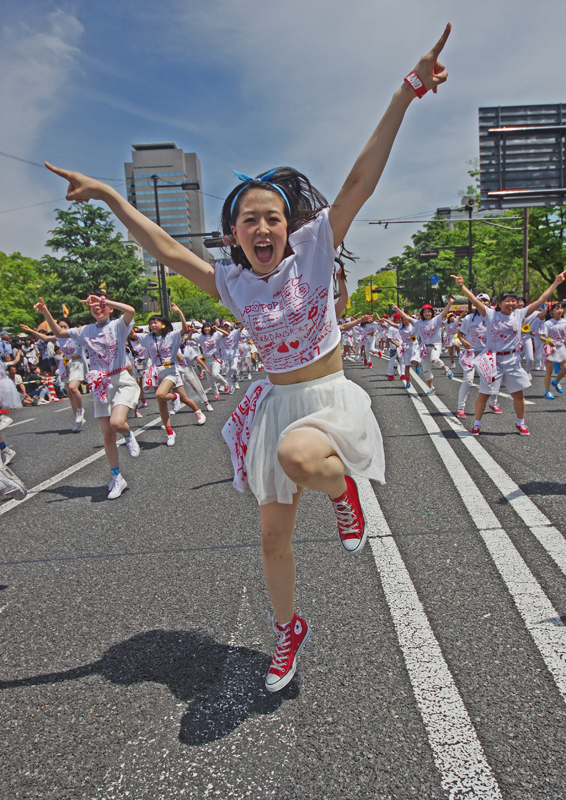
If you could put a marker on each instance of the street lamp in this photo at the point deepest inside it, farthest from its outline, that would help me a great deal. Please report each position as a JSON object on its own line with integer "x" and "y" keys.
{"x": 186, "y": 186}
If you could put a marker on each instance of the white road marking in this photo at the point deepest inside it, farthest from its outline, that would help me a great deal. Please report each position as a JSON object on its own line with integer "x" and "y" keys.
{"x": 21, "y": 422}
{"x": 537, "y": 522}
{"x": 457, "y": 751}
{"x": 540, "y": 618}
{"x": 41, "y": 487}
{"x": 59, "y": 410}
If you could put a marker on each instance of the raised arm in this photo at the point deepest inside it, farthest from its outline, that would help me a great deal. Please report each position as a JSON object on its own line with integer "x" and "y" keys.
{"x": 532, "y": 307}
{"x": 447, "y": 307}
{"x": 42, "y": 308}
{"x": 470, "y": 295}
{"x": 406, "y": 318}
{"x": 127, "y": 310}
{"x": 366, "y": 172}
{"x": 38, "y": 334}
{"x": 353, "y": 322}
{"x": 178, "y": 311}
{"x": 151, "y": 237}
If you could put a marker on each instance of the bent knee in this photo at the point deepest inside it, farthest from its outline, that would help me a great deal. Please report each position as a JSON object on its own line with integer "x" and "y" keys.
{"x": 293, "y": 460}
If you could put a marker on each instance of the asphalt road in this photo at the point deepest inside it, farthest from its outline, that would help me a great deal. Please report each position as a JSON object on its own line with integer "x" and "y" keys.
{"x": 135, "y": 638}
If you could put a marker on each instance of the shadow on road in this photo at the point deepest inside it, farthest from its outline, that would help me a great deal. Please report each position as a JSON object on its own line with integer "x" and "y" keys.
{"x": 543, "y": 488}
{"x": 223, "y": 685}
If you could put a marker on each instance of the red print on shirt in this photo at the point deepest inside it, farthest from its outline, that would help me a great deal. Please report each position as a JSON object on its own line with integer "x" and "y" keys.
{"x": 102, "y": 351}
{"x": 288, "y": 330}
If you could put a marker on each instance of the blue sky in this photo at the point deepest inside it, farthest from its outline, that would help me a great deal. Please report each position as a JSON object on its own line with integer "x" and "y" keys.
{"x": 252, "y": 84}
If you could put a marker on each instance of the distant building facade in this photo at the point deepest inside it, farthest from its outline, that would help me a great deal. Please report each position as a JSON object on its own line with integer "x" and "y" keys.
{"x": 180, "y": 212}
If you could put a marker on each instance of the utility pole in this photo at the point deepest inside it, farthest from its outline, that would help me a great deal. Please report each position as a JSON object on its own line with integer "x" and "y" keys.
{"x": 162, "y": 285}
{"x": 526, "y": 256}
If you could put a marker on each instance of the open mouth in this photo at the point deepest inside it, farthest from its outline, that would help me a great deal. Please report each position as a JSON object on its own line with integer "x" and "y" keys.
{"x": 263, "y": 252}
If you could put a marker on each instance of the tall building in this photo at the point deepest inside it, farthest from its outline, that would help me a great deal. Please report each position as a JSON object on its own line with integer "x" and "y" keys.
{"x": 180, "y": 211}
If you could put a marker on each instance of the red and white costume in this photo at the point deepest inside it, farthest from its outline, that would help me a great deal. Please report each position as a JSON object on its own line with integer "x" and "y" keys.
{"x": 162, "y": 351}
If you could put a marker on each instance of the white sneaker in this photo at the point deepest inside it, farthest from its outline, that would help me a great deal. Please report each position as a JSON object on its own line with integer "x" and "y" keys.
{"x": 132, "y": 445}
{"x": 11, "y": 487}
{"x": 5, "y": 421}
{"x": 236, "y": 385}
{"x": 7, "y": 455}
{"x": 170, "y": 439}
{"x": 209, "y": 407}
{"x": 231, "y": 390}
{"x": 176, "y": 404}
{"x": 79, "y": 422}
{"x": 201, "y": 418}
{"x": 116, "y": 487}
{"x": 249, "y": 376}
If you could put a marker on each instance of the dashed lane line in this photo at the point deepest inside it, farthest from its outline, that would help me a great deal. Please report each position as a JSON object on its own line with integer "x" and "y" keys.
{"x": 457, "y": 751}
{"x": 538, "y": 614}
{"x": 21, "y": 422}
{"x": 41, "y": 487}
{"x": 535, "y": 520}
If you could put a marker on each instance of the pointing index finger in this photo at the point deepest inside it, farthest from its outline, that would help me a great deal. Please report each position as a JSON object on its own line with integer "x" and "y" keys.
{"x": 438, "y": 47}
{"x": 63, "y": 173}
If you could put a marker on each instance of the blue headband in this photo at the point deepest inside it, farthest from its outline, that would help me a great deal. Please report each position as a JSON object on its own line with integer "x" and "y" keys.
{"x": 247, "y": 179}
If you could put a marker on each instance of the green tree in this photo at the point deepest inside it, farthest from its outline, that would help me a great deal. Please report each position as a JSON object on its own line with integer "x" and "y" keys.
{"x": 21, "y": 280}
{"x": 95, "y": 259}
{"x": 193, "y": 302}
{"x": 383, "y": 299}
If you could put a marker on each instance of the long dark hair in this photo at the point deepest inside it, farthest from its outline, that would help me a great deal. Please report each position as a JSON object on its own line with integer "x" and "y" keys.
{"x": 305, "y": 202}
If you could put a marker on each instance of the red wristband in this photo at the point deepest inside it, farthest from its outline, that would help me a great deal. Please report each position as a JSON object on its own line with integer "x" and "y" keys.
{"x": 416, "y": 84}
{"x": 102, "y": 302}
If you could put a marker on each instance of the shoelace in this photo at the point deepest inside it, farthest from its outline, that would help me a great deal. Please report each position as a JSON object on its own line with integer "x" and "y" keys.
{"x": 283, "y": 646}
{"x": 348, "y": 522}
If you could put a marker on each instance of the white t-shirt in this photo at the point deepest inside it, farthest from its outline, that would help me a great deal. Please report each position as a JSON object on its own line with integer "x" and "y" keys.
{"x": 430, "y": 330}
{"x": 503, "y": 331}
{"x": 473, "y": 329}
{"x": 69, "y": 348}
{"x": 291, "y": 315}
{"x": 393, "y": 334}
{"x": 208, "y": 343}
{"x": 230, "y": 345}
{"x": 555, "y": 330}
{"x": 161, "y": 348}
{"x": 406, "y": 332}
{"x": 105, "y": 344}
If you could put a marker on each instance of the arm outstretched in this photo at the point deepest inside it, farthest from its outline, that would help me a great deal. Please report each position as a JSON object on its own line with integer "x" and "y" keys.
{"x": 366, "y": 172}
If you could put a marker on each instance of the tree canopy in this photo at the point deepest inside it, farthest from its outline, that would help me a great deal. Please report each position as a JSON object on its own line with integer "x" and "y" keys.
{"x": 95, "y": 259}
{"x": 193, "y": 302}
{"x": 21, "y": 280}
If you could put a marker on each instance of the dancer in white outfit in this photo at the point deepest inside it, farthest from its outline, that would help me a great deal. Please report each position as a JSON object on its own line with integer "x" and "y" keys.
{"x": 429, "y": 330}
{"x": 472, "y": 337}
{"x": 115, "y": 391}
{"x": 501, "y": 358}
{"x": 553, "y": 338}
{"x": 209, "y": 340}
{"x": 71, "y": 368}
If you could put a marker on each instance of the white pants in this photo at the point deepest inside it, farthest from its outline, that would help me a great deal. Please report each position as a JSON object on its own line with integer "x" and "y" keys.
{"x": 214, "y": 367}
{"x": 431, "y": 359}
{"x": 393, "y": 360}
{"x": 528, "y": 351}
{"x": 538, "y": 352}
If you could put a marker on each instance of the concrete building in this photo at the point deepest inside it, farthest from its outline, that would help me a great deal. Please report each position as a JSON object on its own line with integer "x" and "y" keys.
{"x": 180, "y": 212}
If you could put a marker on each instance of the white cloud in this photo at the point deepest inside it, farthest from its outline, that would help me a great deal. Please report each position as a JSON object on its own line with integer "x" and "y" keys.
{"x": 36, "y": 64}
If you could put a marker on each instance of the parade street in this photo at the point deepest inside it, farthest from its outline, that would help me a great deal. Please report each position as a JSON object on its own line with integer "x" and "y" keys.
{"x": 135, "y": 635}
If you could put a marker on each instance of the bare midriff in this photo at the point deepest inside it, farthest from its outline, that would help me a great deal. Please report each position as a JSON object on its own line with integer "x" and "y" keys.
{"x": 327, "y": 365}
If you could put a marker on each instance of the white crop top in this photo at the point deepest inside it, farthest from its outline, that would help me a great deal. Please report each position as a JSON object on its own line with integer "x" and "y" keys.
{"x": 291, "y": 315}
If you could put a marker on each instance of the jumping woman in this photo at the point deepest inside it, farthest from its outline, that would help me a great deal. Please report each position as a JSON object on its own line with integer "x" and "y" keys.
{"x": 296, "y": 429}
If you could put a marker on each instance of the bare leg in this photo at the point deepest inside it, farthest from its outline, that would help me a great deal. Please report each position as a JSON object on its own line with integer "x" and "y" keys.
{"x": 184, "y": 399}
{"x": 309, "y": 461}
{"x": 519, "y": 404}
{"x": 277, "y": 526}
{"x": 109, "y": 437}
{"x": 548, "y": 375}
{"x": 481, "y": 403}
{"x": 74, "y": 395}
{"x": 162, "y": 394}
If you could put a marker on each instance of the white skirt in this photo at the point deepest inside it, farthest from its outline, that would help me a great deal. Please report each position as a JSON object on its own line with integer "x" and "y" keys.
{"x": 193, "y": 388}
{"x": 9, "y": 395}
{"x": 558, "y": 355}
{"x": 333, "y": 407}
{"x": 76, "y": 371}
{"x": 123, "y": 391}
